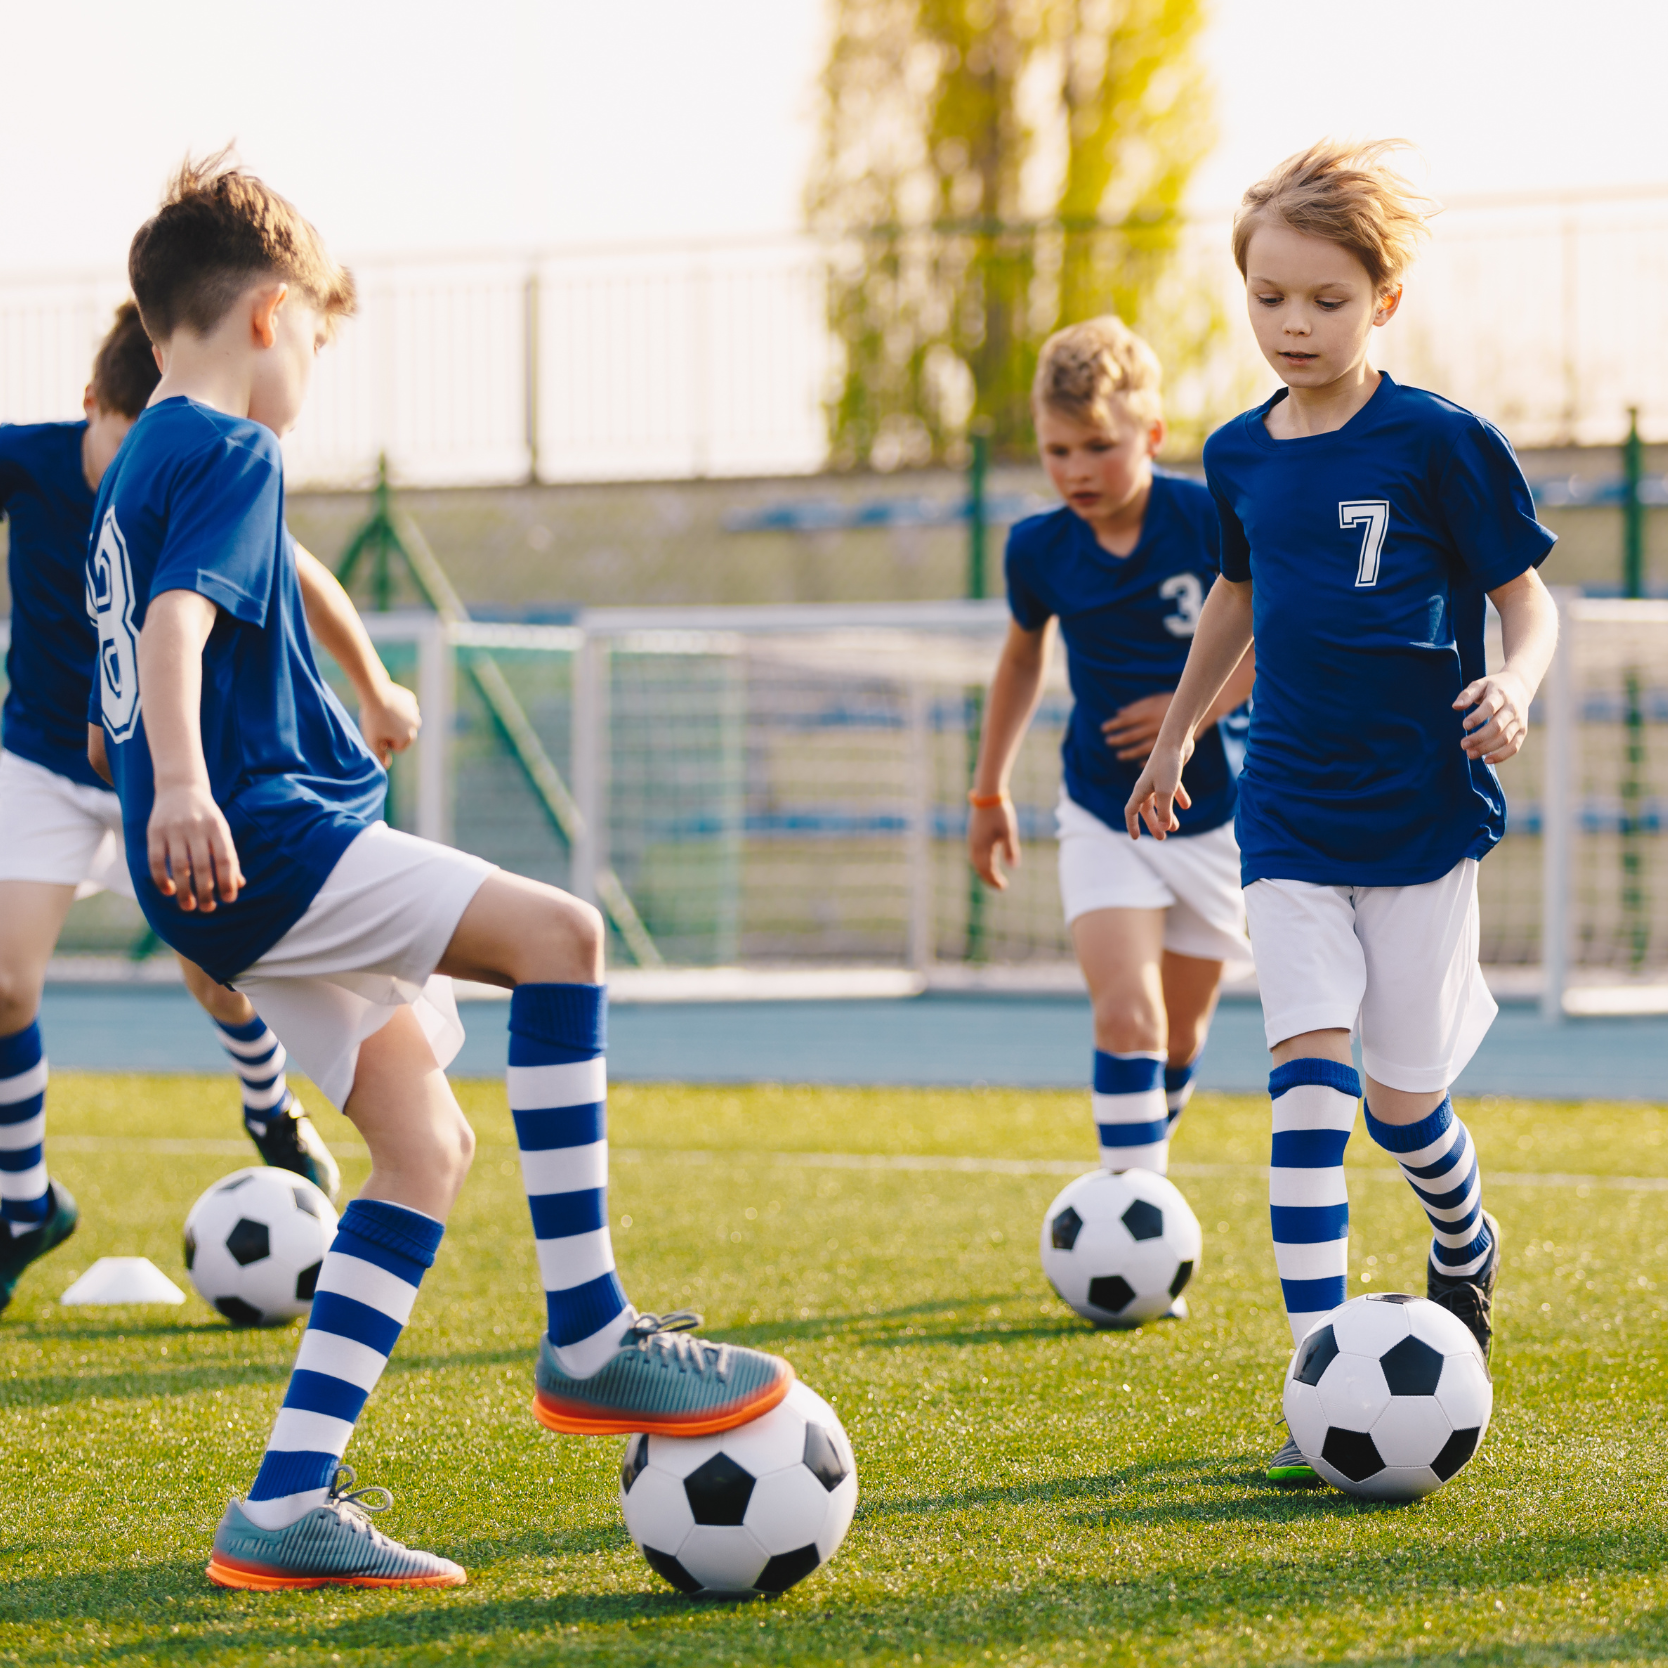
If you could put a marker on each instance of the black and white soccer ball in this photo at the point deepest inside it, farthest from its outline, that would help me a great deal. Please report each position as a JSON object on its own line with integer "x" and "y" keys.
{"x": 1388, "y": 1396}
{"x": 254, "y": 1244}
{"x": 1119, "y": 1246}
{"x": 748, "y": 1511}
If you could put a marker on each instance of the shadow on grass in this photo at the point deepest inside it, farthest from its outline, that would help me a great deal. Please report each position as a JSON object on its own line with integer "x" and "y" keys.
{"x": 881, "y": 1329}
{"x": 1162, "y": 1614}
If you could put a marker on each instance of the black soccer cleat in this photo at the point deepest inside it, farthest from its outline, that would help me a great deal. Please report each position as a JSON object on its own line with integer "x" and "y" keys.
{"x": 1470, "y": 1297}
{"x": 289, "y": 1141}
{"x": 17, "y": 1251}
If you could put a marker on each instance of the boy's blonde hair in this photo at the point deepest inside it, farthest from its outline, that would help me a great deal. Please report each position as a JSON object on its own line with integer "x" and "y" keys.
{"x": 1082, "y": 368}
{"x": 218, "y": 230}
{"x": 1344, "y": 193}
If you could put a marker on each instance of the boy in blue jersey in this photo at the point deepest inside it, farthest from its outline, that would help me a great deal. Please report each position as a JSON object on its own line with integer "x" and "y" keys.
{"x": 1123, "y": 567}
{"x": 60, "y": 825}
{"x": 1362, "y": 525}
{"x": 251, "y": 813}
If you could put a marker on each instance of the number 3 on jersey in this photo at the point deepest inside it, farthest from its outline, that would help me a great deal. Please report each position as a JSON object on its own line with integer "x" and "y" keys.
{"x": 1372, "y": 516}
{"x": 1185, "y": 591}
{"x": 110, "y": 598}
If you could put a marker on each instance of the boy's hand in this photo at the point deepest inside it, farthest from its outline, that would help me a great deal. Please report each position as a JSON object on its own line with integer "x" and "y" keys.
{"x": 1157, "y": 792}
{"x": 389, "y": 720}
{"x": 1499, "y": 717}
{"x": 190, "y": 848}
{"x": 993, "y": 833}
{"x": 1134, "y": 729}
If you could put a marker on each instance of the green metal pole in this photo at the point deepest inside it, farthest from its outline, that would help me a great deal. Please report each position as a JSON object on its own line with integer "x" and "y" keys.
{"x": 1633, "y": 510}
{"x": 977, "y": 528}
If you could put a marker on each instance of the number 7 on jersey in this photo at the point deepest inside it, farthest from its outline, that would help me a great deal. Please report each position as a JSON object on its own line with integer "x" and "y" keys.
{"x": 1372, "y": 516}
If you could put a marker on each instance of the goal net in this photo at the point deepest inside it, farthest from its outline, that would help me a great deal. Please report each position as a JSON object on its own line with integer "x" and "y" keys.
{"x": 786, "y": 786}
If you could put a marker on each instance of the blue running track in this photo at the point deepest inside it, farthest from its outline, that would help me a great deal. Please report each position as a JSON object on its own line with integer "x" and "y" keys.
{"x": 1038, "y": 1042}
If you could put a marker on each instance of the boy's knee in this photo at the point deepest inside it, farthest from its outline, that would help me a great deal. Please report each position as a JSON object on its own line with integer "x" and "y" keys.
{"x": 566, "y": 943}
{"x": 1126, "y": 1022}
{"x": 20, "y": 999}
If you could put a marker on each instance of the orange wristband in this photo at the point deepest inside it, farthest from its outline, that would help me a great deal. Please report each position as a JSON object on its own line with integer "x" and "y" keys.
{"x": 986, "y": 801}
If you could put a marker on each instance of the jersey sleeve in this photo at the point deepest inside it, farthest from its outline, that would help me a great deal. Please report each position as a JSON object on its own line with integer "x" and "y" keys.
{"x": 224, "y": 513}
{"x": 1233, "y": 555}
{"x": 1029, "y": 610}
{"x": 1487, "y": 509}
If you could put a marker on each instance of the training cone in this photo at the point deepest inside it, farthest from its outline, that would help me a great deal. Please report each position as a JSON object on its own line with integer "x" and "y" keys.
{"x": 123, "y": 1280}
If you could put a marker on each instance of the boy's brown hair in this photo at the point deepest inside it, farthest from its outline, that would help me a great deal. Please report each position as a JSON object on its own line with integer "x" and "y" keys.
{"x": 219, "y": 230}
{"x": 1082, "y": 368}
{"x": 124, "y": 369}
{"x": 1344, "y": 193}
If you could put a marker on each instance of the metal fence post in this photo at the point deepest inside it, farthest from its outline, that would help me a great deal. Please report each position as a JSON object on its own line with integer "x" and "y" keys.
{"x": 435, "y": 694}
{"x": 530, "y": 353}
{"x": 1559, "y": 791}
{"x": 590, "y": 764}
{"x": 921, "y": 949}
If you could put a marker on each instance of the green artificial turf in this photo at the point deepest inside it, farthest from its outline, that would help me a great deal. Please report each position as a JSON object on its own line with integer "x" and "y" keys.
{"x": 1031, "y": 1491}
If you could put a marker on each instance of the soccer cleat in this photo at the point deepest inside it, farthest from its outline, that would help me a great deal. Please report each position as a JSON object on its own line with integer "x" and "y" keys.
{"x": 663, "y": 1382}
{"x": 1470, "y": 1297}
{"x": 333, "y": 1545}
{"x": 1290, "y": 1469}
{"x": 17, "y": 1251}
{"x": 291, "y": 1142}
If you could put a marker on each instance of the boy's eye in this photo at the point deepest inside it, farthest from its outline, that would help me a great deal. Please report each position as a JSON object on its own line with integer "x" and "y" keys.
{"x": 1328, "y": 304}
{"x": 1270, "y": 300}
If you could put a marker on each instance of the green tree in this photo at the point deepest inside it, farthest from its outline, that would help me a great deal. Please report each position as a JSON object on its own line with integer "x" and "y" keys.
{"x": 987, "y": 170}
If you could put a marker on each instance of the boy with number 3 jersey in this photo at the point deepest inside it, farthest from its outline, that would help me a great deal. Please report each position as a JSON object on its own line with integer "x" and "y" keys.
{"x": 1123, "y": 567}
{"x": 1362, "y": 525}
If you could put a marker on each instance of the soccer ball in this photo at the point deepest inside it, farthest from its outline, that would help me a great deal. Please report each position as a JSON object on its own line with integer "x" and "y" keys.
{"x": 1388, "y": 1396}
{"x": 1119, "y": 1246}
{"x": 747, "y": 1511}
{"x": 254, "y": 1244}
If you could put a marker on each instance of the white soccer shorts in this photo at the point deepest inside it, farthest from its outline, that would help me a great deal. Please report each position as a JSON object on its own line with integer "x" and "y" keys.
{"x": 59, "y": 833}
{"x": 1194, "y": 879}
{"x": 1396, "y": 964}
{"x": 366, "y": 948}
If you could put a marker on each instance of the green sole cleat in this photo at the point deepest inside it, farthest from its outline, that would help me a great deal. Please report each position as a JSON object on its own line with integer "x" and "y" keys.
{"x": 1290, "y": 1469}
{"x": 663, "y": 1382}
{"x": 290, "y": 1141}
{"x": 17, "y": 1251}
{"x": 333, "y": 1545}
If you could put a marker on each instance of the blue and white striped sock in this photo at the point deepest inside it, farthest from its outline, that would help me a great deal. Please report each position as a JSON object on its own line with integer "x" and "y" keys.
{"x": 1308, "y": 1201}
{"x": 558, "y": 1088}
{"x": 1178, "y": 1089}
{"x": 1440, "y": 1162}
{"x": 23, "y": 1195}
{"x": 1131, "y": 1117}
{"x": 365, "y": 1291}
{"x": 258, "y": 1059}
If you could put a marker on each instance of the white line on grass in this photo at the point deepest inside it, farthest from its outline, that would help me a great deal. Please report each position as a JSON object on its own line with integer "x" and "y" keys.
{"x": 204, "y": 1147}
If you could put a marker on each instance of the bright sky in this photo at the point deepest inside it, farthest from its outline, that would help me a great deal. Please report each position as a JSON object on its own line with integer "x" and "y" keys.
{"x": 510, "y": 123}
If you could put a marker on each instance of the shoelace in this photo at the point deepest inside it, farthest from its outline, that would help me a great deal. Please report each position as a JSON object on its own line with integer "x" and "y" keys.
{"x": 669, "y": 1335}
{"x": 352, "y": 1504}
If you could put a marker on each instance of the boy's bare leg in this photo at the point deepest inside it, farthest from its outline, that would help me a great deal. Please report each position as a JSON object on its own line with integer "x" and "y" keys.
{"x": 1121, "y": 952}
{"x": 1390, "y": 1106}
{"x": 520, "y": 932}
{"x": 275, "y": 1120}
{"x": 31, "y": 917}
{"x": 421, "y": 1143}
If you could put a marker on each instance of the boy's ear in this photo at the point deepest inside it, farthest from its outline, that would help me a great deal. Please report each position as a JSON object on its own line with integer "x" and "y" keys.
{"x": 89, "y": 403}
{"x": 1157, "y": 429}
{"x": 267, "y": 301}
{"x": 1388, "y": 302}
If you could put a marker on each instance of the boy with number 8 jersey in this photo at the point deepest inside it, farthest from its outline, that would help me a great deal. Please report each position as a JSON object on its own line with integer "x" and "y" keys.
{"x": 250, "y": 808}
{"x": 1362, "y": 525}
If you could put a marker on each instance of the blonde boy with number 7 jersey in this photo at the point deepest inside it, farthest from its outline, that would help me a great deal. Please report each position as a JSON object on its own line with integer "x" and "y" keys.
{"x": 1363, "y": 523}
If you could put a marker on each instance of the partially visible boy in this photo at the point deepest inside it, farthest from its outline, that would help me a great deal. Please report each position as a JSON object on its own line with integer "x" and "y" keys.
{"x": 1362, "y": 525}
{"x": 251, "y": 814}
{"x": 1123, "y": 567}
{"x": 60, "y": 826}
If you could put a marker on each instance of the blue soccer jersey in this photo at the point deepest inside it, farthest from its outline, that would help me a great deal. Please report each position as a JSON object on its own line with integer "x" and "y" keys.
{"x": 49, "y": 507}
{"x": 1127, "y": 622}
{"x": 195, "y": 502}
{"x": 1369, "y": 551}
